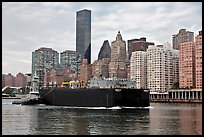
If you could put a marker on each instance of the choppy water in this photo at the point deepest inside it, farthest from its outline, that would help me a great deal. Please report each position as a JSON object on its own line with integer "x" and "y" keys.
{"x": 158, "y": 119}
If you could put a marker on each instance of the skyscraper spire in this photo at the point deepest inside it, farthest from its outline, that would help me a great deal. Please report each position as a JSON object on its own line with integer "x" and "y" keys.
{"x": 118, "y": 37}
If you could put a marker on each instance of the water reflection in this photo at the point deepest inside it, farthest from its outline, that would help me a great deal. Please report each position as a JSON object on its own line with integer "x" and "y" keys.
{"x": 17, "y": 120}
{"x": 176, "y": 119}
{"x": 190, "y": 119}
{"x": 88, "y": 121}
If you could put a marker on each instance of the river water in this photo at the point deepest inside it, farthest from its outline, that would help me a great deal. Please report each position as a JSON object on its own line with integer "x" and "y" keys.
{"x": 157, "y": 119}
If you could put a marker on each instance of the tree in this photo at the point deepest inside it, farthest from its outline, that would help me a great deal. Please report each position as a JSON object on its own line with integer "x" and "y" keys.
{"x": 175, "y": 85}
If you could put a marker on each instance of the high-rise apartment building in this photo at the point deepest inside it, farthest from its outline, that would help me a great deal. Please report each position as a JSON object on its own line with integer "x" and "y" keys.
{"x": 155, "y": 69}
{"x": 198, "y": 58}
{"x": 160, "y": 67}
{"x": 190, "y": 63}
{"x": 42, "y": 59}
{"x": 187, "y": 65}
{"x": 182, "y": 36}
{"x": 138, "y": 68}
{"x": 83, "y": 34}
{"x": 137, "y": 45}
{"x": 71, "y": 59}
{"x": 118, "y": 63}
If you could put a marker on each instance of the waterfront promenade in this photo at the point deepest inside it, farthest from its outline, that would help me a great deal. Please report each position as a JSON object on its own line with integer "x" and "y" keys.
{"x": 177, "y": 96}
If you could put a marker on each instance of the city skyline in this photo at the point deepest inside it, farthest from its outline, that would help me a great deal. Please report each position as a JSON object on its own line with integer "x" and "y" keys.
{"x": 28, "y": 26}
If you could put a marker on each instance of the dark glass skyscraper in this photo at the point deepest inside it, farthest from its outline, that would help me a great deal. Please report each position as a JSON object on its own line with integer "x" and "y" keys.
{"x": 83, "y": 34}
{"x": 105, "y": 51}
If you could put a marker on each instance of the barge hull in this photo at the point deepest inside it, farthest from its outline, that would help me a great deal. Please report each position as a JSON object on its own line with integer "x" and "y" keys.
{"x": 95, "y": 97}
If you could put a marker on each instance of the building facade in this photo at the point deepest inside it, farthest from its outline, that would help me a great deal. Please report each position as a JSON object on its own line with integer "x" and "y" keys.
{"x": 93, "y": 67}
{"x": 190, "y": 64}
{"x": 29, "y": 80}
{"x": 9, "y": 80}
{"x": 21, "y": 80}
{"x": 71, "y": 59}
{"x": 187, "y": 65}
{"x": 53, "y": 77}
{"x": 155, "y": 69}
{"x": 138, "y": 68}
{"x": 168, "y": 53}
{"x": 118, "y": 63}
{"x": 171, "y": 66}
{"x": 3, "y": 80}
{"x": 161, "y": 67}
{"x": 198, "y": 58}
{"x": 105, "y": 67}
{"x": 102, "y": 68}
{"x": 97, "y": 69}
{"x": 83, "y": 34}
{"x": 85, "y": 71}
{"x": 128, "y": 69}
{"x": 175, "y": 62}
{"x": 182, "y": 36}
{"x": 68, "y": 75}
{"x": 137, "y": 45}
{"x": 42, "y": 59}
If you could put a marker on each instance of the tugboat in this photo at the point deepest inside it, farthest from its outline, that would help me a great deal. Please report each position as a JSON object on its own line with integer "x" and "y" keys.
{"x": 34, "y": 93}
{"x": 33, "y": 96}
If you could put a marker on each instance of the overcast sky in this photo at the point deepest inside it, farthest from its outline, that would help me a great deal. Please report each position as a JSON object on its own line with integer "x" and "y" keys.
{"x": 27, "y": 26}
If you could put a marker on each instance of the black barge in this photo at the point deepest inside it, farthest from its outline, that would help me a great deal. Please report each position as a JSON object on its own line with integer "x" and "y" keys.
{"x": 123, "y": 97}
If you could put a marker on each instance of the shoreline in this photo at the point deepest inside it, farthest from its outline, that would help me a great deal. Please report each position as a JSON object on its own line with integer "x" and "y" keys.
{"x": 16, "y": 97}
{"x": 174, "y": 101}
{"x": 11, "y": 97}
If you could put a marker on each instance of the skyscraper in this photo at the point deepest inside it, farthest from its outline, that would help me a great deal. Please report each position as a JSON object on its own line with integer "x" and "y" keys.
{"x": 162, "y": 66}
{"x": 187, "y": 65}
{"x": 138, "y": 68}
{"x": 198, "y": 60}
{"x": 182, "y": 36}
{"x": 71, "y": 59}
{"x": 118, "y": 63}
{"x": 83, "y": 34}
{"x": 42, "y": 59}
{"x": 105, "y": 51}
{"x": 190, "y": 64}
{"x": 137, "y": 45}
